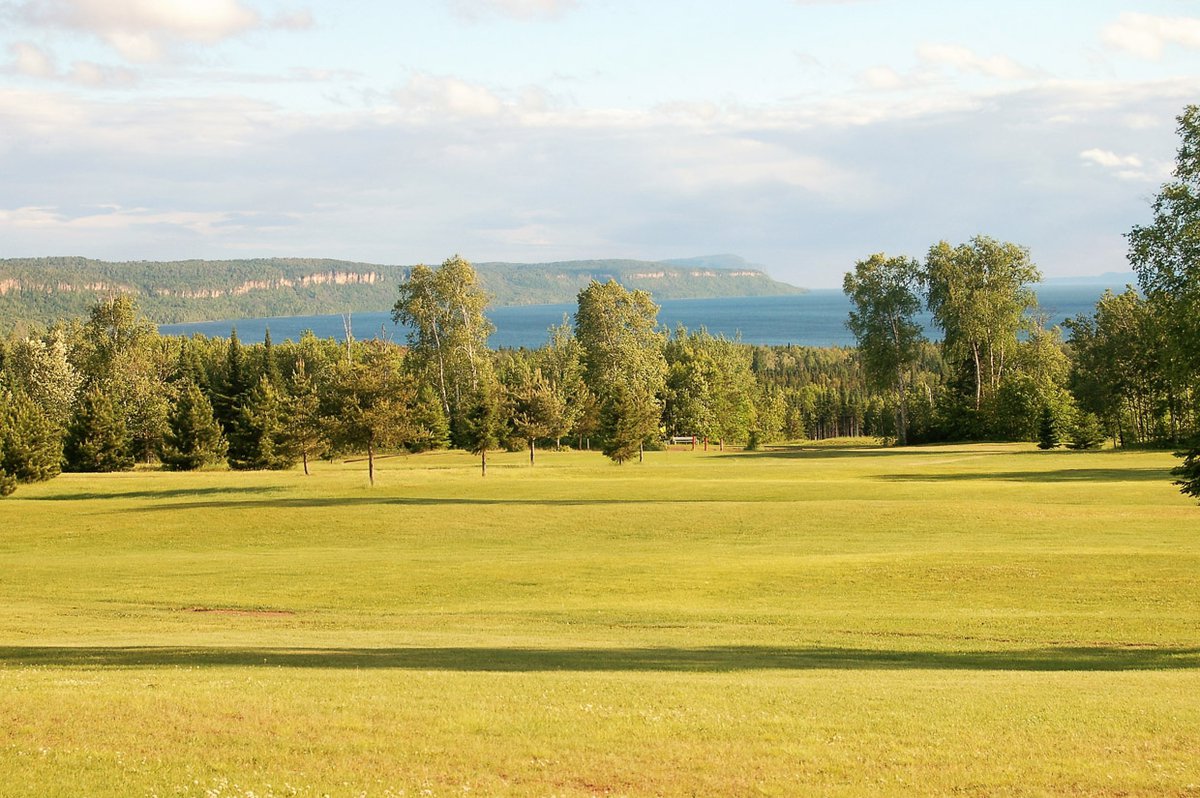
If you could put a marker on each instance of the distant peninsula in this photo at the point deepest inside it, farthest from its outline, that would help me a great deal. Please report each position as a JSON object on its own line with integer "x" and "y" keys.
{"x": 41, "y": 290}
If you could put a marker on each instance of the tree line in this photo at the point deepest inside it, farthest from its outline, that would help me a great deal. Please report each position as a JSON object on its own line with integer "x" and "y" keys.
{"x": 1129, "y": 371}
{"x": 100, "y": 394}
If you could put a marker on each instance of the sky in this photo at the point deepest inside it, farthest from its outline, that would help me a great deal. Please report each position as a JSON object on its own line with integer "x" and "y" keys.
{"x": 803, "y": 135}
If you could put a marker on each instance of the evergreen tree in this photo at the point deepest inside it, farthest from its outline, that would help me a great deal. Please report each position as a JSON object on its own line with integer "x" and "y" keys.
{"x": 536, "y": 410}
{"x": 1048, "y": 437}
{"x": 193, "y": 438}
{"x": 429, "y": 421}
{"x": 234, "y": 387}
{"x": 304, "y": 415}
{"x": 30, "y": 443}
{"x": 1086, "y": 432}
{"x": 264, "y": 437}
{"x": 482, "y": 422}
{"x": 98, "y": 437}
{"x": 1188, "y": 472}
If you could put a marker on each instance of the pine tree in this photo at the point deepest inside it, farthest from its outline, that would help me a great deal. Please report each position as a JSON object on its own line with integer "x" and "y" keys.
{"x": 1188, "y": 472}
{"x": 193, "y": 436}
{"x": 304, "y": 414}
{"x": 1086, "y": 432}
{"x": 98, "y": 438}
{"x": 30, "y": 443}
{"x": 264, "y": 439}
{"x": 1048, "y": 437}
{"x": 482, "y": 422}
{"x": 429, "y": 419}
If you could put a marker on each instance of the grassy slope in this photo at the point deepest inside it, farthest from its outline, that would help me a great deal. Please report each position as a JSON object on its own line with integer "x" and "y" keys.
{"x": 982, "y": 619}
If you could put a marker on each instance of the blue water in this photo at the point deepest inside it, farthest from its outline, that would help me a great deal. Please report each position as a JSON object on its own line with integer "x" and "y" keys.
{"x": 817, "y": 318}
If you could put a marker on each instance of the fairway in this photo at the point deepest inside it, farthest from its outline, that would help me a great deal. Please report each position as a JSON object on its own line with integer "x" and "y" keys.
{"x": 841, "y": 619}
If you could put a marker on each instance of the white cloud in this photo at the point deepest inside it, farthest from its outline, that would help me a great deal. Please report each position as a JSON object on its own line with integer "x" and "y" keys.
{"x": 1110, "y": 159}
{"x": 883, "y": 78}
{"x": 514, "y": 9}
{"x": 146, "y": 30}
{"x": 30, "y": 60}
{"x": 106, "y": 218}
{"x": 431, "y": 97}
{"x": 1147, "y": 36}
{"x": 963, "y": 59}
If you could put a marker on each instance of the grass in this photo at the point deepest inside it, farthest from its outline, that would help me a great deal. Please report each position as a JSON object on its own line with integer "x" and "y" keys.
{"x": 835, "y": 620}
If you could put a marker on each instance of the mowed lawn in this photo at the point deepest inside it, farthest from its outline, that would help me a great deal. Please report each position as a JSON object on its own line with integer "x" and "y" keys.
{"x": 832, "y": 620}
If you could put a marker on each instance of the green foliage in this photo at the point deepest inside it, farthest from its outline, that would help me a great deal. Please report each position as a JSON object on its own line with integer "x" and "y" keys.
{"x": 30, "y": 442}
{"x": 622, "y": 355}
{"x": 98, "y": 438}
{"x": 1086, "y": 432}
{"x": 1048, "y": 433}
{"x": 263, "y": 431}
{"x": 1188, "y": 472}
{"x": 978, "y": 295}
{"x": 193, "y": 438}
{"x": 1166, "y": 253}
{"x": 482, "y": 422}
{"x": 371, "y": 403}
{"x": 883, "y": 292}
{"x": 448, "y": 332}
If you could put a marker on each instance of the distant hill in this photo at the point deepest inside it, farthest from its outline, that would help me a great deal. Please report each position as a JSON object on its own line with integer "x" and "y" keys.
{"x": 41, "y": 290}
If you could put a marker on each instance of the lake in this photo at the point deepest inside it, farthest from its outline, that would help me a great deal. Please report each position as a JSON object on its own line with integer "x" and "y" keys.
{"x": 817, "y": 318}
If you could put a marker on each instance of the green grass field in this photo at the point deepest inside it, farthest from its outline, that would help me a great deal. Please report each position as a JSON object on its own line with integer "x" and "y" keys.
{"x": 836, "y": 620}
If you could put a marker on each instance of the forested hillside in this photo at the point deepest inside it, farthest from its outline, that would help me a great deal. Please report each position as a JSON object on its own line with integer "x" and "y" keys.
{"x": 41, "y": 290}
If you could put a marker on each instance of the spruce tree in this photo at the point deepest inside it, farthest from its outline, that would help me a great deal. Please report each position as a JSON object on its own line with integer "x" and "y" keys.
{"x": 193, "y": 437}
{"x": 1086, "y": 432}
{"x": 98, "y": 438}
{"x": 1048, "y": 437}
{"x": 262, "y": 433}
{"x": 30, "y": 443}
{"x": 306, "y": 423}
{"x": 1188, "y": 471}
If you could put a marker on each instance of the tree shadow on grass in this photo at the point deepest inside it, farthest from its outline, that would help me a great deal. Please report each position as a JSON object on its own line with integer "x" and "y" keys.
{"x": 304, "y": 502}
{"x": 712, "y": 659}
{"x": 179, "y": 493}
{"x": 1060, "y": 475}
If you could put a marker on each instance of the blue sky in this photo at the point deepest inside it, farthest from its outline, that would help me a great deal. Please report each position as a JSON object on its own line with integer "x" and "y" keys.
{"x": 800, "y": 135}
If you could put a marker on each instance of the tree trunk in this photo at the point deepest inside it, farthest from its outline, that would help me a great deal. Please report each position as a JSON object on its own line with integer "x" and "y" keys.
{"x": 370, "y": 463}
{"x": 531, "y": 452}
{"x": 304, "y": 455}
{"x": 978, "y": 375}
{"x": 483, "y": 463}
{"x": 640, "y": 452}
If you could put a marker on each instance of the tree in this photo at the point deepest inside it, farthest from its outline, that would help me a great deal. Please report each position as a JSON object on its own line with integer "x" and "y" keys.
{"x": 536, "y": 410}
{"x": 193, "y": 438}
{"x": 1086, "y": 432}
{"x": 623, "y": 364}
{"x": 263, "y": 431}
{"x": 122, "y": 351}
{"x": 482, "y": 422}
{"x": 978, "y": 295}
{"x": 98, "y": 437}
{"x": 1188, "y": 472}
{"x": 448, "y": 331}
{"x": 883, "y": 292}
{"x": 1048, "y": 436}
{"x": 1166, "y": 253}
{"x": 306, "y": 423}
{"x": 41, "y": 368}
{"x": 372, "y": 402}
{"x": 30, "y": 442}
